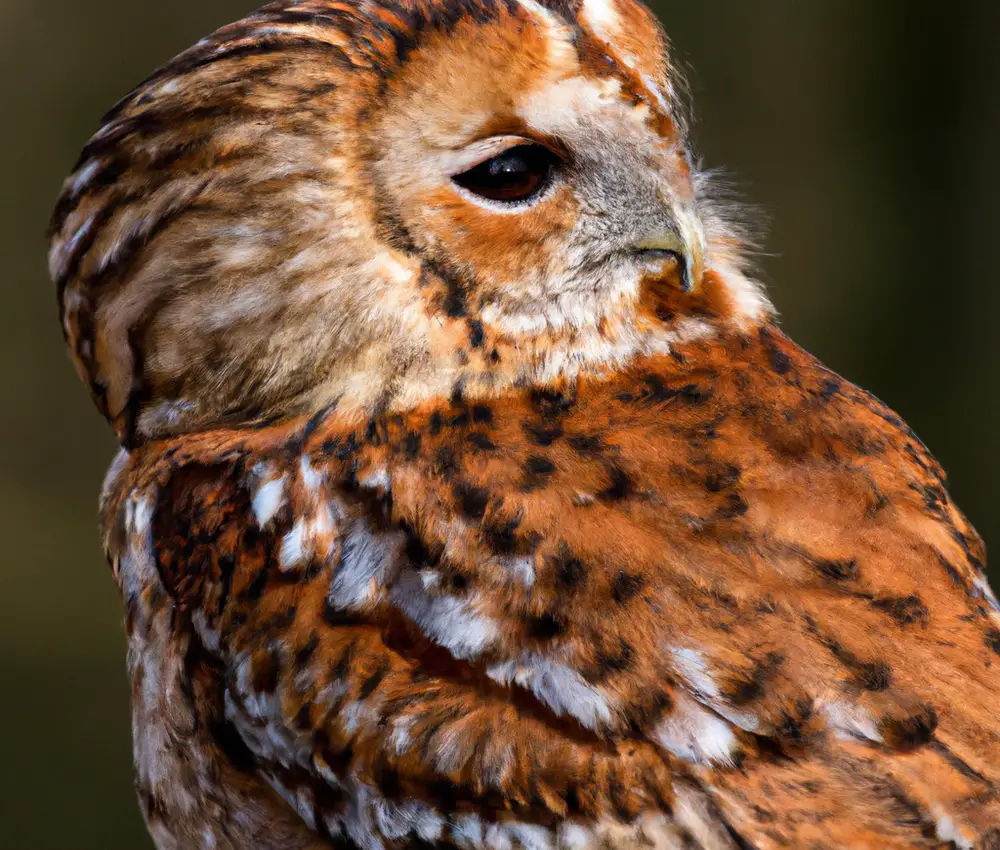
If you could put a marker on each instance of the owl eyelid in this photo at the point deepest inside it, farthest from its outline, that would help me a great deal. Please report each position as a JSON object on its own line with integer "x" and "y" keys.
{"x": 485, "y": 149}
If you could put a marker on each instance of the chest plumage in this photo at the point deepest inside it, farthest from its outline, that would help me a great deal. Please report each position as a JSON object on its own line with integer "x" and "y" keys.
{"x": 563, "y": 617}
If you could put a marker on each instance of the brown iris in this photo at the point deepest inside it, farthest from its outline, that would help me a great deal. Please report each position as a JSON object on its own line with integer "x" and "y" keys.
{"x": 517, "y": 174}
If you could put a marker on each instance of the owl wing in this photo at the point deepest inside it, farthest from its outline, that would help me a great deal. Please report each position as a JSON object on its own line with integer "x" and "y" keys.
{"x": 303, "y": 671}
{"x": 728, "y": 587}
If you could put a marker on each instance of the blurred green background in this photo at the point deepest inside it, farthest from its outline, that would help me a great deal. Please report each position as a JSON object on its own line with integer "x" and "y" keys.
{"x": 868, "y": 130}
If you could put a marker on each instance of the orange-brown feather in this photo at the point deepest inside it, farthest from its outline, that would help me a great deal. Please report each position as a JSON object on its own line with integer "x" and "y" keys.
{"x": 737, "y": 501}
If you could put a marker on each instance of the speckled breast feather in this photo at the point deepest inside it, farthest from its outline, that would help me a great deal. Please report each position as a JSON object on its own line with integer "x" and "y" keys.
{"x": 641, "y": 609}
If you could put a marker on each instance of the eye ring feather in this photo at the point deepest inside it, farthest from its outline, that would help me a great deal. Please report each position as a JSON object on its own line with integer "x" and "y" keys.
{"x": 516, "y": 175}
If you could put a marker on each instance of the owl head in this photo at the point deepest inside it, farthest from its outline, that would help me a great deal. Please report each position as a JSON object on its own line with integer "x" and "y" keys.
{"x": 374, "y": 203}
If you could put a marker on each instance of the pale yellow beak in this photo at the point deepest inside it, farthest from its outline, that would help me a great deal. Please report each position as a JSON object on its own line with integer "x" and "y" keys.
{"x": 687, "y": 242}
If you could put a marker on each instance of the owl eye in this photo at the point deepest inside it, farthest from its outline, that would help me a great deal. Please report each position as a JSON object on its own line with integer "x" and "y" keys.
{"x": 517, "y": 174}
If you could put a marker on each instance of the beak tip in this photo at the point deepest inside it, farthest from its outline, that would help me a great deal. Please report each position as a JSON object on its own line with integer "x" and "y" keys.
{"x": 687, "y": 279}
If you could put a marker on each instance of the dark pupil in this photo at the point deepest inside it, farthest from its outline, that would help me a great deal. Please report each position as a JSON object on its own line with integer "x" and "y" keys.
{"x": 514, "y": 175}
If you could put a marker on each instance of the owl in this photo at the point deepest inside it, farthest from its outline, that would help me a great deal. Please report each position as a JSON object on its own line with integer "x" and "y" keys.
{"x": 469, "y": 495}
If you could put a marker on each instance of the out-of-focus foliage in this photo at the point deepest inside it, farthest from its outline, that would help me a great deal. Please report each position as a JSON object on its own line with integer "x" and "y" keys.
{"x": 868, "y": 130}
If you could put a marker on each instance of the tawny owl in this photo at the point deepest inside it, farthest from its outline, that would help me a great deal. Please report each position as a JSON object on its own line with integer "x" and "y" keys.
{"x": 469, "y": 495}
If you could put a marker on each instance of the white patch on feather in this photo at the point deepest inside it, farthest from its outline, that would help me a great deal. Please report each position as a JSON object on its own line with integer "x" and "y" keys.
{"x": 360, "y": 819}
{"x": 377, "y": 480}
{"x": 575, "y": 836}
{"x": 358, "y": 715}
{"x": 61, "y": 250}
{"x": 311, "y": 477}
{"x": 690, "y": 664}
{"x": 305, "y": 804}
{"x": 652, "y": 830}
{"x": 547, "y": 19}
{"x": 653, "y": 86}
{"x": 169, "y": 87}
{"x": 850, "y": 722}
{"x": 292, "y": 553}
{"x": 268, "y": 498}
{"x": 696, "y": 734}
{"x": 400, "y": 738}
{"x": 530, "y": 836}
{"x": 450, "y": 621}
{"x": 523, "y": 569}
{"x": 453, "y": 748}
{"x": 692, "y": 667}
{"x": 497, "y": 837}
{"x": 467, "y": 831}
{"x": 367, "y": 559}
{"x": 397, "y": 820}
{"x": 982, "y": 586}
{"x": 165, "y": 416}
{"x": 82, "y": 177}
{"x": 694, "y": 815}
{"x": 430, "y": 578}
{"x": 602, "y": 17}
{"x": 211, "y": 638}
{"x": 137, "y": 565}
{"x": 560, "y": 687}
{"x": 740, "y": 719}
{"x": 749, "y": 300}
{"x": 948, "y": 831}
{"x": 563, "y": 102}
{"x": 111, "y": 476}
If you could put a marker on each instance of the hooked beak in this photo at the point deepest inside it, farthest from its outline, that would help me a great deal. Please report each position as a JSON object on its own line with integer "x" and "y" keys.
{"x": 684, "y": 242}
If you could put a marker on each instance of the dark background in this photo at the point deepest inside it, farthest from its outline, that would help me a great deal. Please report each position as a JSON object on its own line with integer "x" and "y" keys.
{"x": 868, "y": 130}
